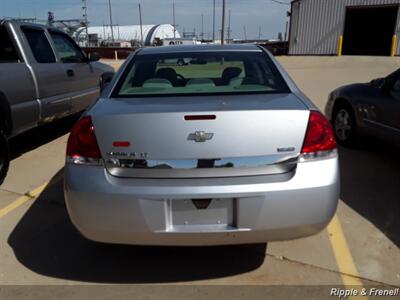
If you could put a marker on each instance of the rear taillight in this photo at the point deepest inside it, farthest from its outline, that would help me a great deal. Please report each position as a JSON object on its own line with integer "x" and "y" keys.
{"x": 82, "y": 146}
{"x": 320, "y": 138}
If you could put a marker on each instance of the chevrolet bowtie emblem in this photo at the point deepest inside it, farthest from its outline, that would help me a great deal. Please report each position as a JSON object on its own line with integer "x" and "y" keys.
{"x": 200, "y": 136}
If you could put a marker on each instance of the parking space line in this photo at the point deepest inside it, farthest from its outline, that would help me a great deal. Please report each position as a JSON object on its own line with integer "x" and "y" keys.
{"x": 343, "y": 256}
{"x": 21, "y": 200}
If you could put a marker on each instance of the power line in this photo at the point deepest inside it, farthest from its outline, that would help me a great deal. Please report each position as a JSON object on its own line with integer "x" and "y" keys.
{"x": 280, "y": 2}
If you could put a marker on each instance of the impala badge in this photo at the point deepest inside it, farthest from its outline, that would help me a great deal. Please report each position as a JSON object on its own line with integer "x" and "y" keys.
{"x": 200, "y": 136}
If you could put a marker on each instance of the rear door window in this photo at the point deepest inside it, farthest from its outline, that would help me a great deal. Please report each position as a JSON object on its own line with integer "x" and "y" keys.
{"x": 40, "y": 45}
{"x": 8, "y": 52}
{"x": 66, "y": 49}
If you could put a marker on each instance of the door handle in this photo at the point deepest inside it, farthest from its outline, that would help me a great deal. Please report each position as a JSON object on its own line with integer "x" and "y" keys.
{"x": 70, "y": 73}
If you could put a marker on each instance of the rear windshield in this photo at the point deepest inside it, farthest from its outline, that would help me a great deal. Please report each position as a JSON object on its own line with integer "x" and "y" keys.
{"x": 200, "y": 73}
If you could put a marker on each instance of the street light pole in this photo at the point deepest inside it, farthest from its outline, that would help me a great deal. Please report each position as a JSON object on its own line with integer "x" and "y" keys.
{"x": 223, "y": 22}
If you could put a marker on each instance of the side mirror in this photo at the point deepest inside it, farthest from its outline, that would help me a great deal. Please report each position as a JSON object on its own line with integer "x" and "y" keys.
{"x": 378, "y": 83}
{"x": 396, "y": 87}
{"x": 105, "y": 79}
{"x": 93, "y": 56}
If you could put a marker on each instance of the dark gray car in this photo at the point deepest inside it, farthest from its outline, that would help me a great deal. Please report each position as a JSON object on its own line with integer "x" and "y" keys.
{"x": 371, "y": 108}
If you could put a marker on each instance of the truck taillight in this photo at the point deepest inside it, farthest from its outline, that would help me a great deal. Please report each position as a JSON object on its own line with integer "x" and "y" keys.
{"x": 82, "y": 145}
{"x": 319, "y": 140}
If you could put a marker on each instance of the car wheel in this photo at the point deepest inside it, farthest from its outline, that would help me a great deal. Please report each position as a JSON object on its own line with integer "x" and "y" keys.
{"x": 4, "y": 156}
{"x": 344, "y": 125}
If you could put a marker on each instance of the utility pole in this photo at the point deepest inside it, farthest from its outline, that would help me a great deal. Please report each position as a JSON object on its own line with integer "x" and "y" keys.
{"x": 141, "y": 26}
{"x": 223, "y": 22}
{"x": 85, "y": 18}
{"x": 213, "y": 34}
{"x": 173, "y": 18}
{"x": 259, "y": 33}
{"x": 288, "y": 15}
{"x": 202, "y": 27}
{"x": 286, "y": 30}
{"x": 50, "y": 18}
{"x": 111, "y": 22}
{"x": 245, "y": 34}
{"x": 229, "y": 27}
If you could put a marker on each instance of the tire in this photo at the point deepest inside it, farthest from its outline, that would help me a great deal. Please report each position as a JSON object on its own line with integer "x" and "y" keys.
{"x": 4, "y": 156}
{"x": 344, "y": 125}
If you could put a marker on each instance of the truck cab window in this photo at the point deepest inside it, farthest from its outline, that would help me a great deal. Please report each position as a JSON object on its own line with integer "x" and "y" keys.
{"x": 66, "y": 49}
{"x": 7, "y": 49}
{"x": 39, "y": 44}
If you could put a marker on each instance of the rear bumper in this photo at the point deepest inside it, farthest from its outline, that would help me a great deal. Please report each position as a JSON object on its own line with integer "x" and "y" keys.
{"x": 138, "y": 211}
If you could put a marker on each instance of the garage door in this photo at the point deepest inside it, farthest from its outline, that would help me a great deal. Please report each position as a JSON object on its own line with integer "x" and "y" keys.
{"x": 369, "y": 30}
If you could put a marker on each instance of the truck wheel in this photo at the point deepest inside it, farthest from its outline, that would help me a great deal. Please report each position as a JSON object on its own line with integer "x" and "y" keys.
{"x": 4, "y": 156}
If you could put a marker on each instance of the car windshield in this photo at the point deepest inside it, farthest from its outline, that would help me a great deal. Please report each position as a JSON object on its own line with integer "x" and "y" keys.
{"x": 200, "y": 73}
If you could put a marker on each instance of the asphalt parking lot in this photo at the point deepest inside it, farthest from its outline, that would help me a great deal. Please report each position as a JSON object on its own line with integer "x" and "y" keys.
{"x": 39, "y": 245}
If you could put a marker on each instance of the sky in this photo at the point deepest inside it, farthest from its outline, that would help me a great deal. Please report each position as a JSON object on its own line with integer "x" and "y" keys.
{"x": 246, "y": 15}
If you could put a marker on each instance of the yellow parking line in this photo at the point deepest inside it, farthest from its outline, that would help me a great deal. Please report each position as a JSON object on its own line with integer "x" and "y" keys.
{"x": 17, "y": 203}
{"x": 343, "y": 256}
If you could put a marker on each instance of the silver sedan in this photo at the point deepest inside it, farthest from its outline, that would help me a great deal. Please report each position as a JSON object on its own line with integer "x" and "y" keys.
{"x": 223, "y": 149}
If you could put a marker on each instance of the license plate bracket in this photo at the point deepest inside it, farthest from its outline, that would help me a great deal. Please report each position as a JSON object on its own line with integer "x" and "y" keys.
{"x": 219, "y": 212}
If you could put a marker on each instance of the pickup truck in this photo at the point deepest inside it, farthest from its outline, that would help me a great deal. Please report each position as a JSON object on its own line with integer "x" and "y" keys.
{"x": 44, "y": 76}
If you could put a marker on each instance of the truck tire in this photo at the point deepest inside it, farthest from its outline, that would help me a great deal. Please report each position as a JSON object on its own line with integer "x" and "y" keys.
{"x": 4, "y": 156}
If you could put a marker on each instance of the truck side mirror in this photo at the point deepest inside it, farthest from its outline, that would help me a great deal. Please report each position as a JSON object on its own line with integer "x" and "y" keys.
{"x": 93, "y": 56}
{"x": 105, "y": 79}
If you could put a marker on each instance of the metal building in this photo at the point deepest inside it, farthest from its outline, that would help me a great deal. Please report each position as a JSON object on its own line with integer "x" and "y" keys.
{"x": 348, "y": 27}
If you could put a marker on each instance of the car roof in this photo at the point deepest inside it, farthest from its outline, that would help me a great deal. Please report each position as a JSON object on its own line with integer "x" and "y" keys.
{"x": 32, "y": 25}
{"x": 21, "y": 23}
{"x": 198, "y": 48}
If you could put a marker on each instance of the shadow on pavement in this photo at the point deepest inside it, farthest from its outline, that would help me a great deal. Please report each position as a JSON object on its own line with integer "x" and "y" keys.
{"x": 41, "y": 135}
{"x": 46, "y": 242}
{"x": 370, "y": 184}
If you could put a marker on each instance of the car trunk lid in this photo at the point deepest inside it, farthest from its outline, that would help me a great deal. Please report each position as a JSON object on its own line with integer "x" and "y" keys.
{"x": 213, "y": 136}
